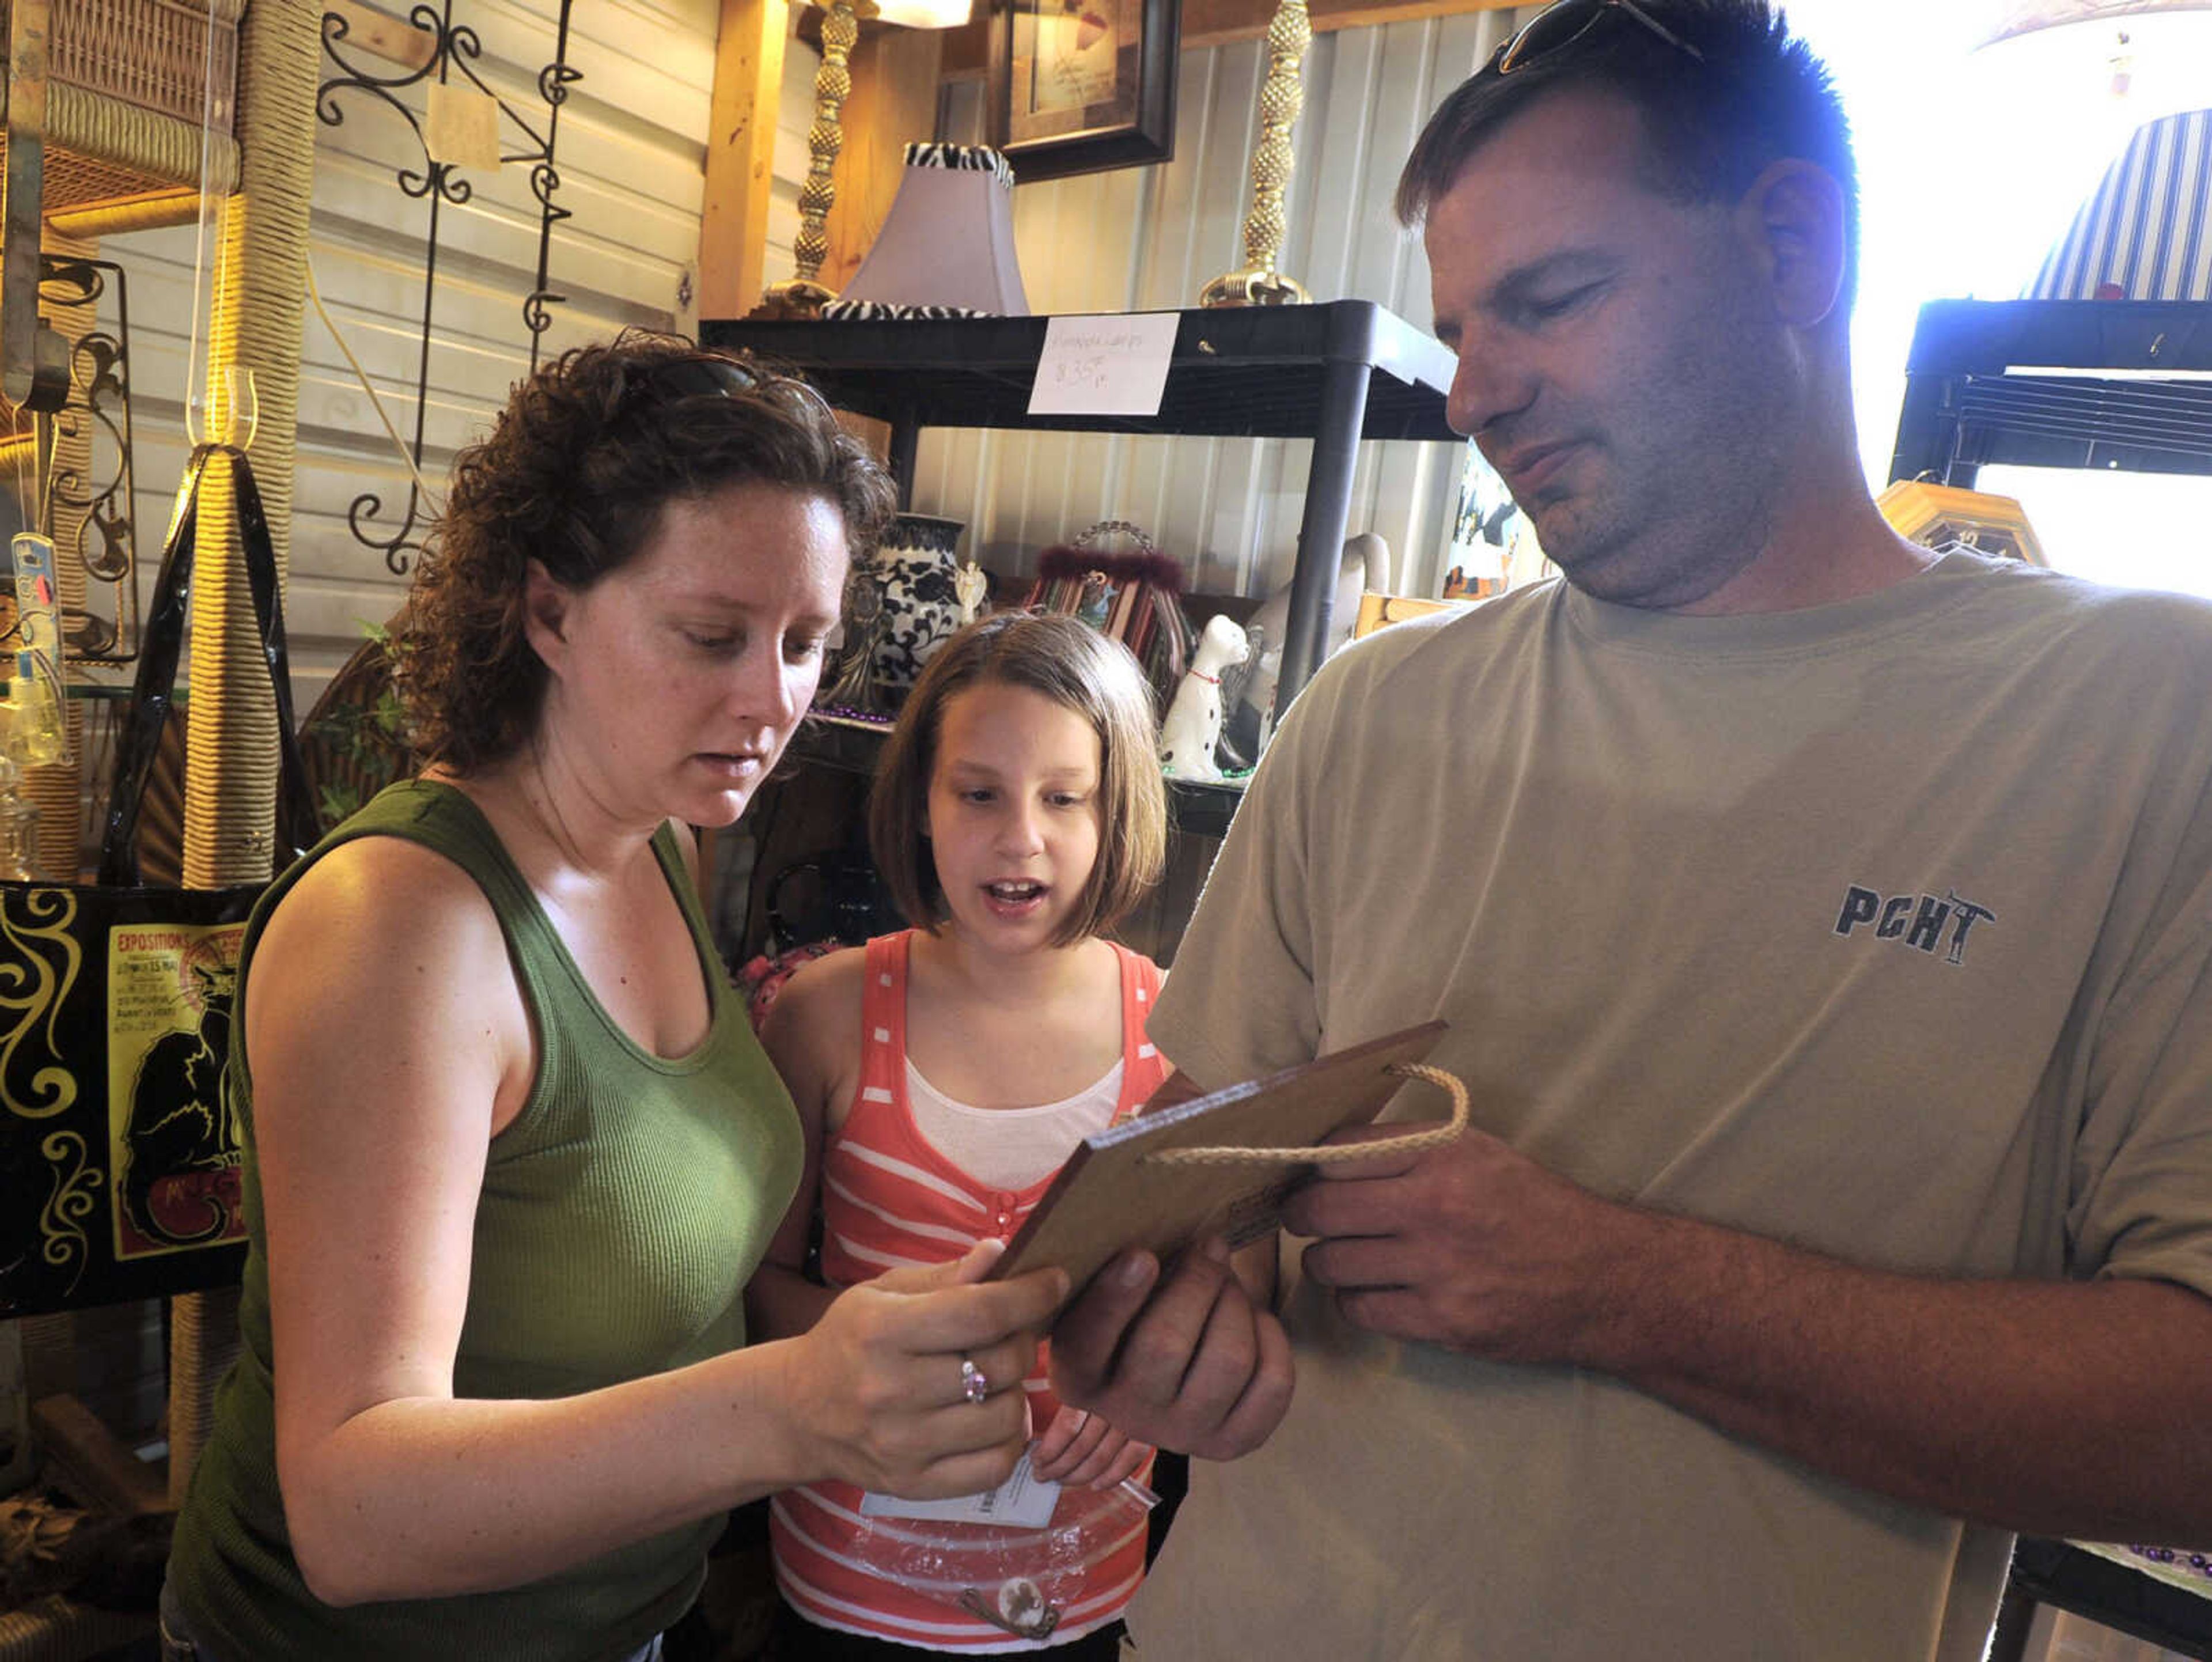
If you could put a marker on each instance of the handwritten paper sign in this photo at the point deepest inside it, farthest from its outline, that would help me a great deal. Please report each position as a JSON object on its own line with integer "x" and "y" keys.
{"x": 461, "y": 127}
{"x": 1111, "y": 365}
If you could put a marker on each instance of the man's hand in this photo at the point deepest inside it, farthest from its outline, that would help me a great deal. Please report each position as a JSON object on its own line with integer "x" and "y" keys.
{"x": 1988, "y": 1399}
{"x": 1472, "y": 1246}
{"x": 1186, "y": 1364}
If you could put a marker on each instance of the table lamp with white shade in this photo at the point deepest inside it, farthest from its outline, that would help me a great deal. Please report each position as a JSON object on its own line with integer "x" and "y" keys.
{"x": 804, "y": 295}
{"x": 946, "y": 248}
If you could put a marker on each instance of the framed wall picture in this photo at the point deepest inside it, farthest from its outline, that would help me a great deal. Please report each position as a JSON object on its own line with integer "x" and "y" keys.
{"x": 1080, "y": 86}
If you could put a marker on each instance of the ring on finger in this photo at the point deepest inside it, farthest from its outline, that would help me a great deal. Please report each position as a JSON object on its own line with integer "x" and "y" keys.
{"x": 975, "y": 1385}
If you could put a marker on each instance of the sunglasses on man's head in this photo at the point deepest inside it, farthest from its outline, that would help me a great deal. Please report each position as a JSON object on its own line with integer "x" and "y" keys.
{"x": 1557, "y": 28}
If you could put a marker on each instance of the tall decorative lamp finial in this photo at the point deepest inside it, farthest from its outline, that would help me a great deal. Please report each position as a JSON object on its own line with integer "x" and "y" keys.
{"x": 804, "y": 294}
{"x": 1259, "y": 283}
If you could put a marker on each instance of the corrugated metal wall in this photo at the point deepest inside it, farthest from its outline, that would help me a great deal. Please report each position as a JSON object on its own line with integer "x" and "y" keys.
{"x": 631, "y": 156}
{"x": 1147, "y": 238}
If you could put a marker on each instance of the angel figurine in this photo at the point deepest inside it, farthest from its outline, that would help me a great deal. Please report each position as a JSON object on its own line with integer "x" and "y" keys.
{"x": 972, "y": 585}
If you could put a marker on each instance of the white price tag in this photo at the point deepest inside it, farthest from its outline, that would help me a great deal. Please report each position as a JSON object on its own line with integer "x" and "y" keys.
{"x": 460, "y": 126}
{"x": 1021, "y": 1502}
{"x": 1111, "y": 365}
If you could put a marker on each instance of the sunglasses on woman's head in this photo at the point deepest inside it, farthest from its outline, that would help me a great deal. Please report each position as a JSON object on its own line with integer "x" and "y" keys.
{"x": 1557, "y": 28}
{"x": 719, "y": 377}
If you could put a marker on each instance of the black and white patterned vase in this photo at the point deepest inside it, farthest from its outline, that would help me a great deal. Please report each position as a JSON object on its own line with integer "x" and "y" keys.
{"x": 914, "y": 565}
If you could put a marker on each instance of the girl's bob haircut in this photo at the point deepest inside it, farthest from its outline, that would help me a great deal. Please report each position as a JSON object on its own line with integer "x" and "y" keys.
{"x": 1077, "y": 668}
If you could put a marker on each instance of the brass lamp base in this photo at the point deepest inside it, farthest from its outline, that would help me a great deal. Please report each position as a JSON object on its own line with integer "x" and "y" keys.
{"x": 803, "y": 297}
{"x": 799, "y": 297}
{"x": 1251, "y": 287}
{"x": 1259, "y": 283}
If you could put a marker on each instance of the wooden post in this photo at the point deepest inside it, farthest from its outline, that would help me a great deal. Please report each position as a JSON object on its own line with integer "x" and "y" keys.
{"x": 254, "y": 323}
{"x": 741, "y": 157}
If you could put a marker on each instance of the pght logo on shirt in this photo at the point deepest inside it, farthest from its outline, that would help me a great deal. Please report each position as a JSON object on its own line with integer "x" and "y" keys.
{"x": 1917, "y": 920}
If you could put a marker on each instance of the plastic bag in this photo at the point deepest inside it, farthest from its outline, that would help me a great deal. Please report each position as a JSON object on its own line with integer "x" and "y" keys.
{"x": 1019, "y": 1576}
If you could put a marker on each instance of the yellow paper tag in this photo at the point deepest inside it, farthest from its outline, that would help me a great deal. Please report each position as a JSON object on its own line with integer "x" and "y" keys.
{"x": 461, "y": 127}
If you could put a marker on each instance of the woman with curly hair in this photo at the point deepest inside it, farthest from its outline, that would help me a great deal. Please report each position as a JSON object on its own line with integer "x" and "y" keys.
{"x": 513, "y": 1151}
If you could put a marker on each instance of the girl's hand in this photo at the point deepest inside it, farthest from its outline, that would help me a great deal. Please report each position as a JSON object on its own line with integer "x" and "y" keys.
{"x": 877, "y": 1392}
{"x": 1081, "y": 1448}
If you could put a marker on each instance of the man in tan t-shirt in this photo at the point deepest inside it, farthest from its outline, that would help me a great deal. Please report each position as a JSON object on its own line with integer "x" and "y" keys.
{"x": 1824, "y": 929}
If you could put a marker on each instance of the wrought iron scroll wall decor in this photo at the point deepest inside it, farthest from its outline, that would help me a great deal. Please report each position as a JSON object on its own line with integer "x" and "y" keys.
{"x": 102, "y": 538}
{"x": 455, "y": 48}
{"x": 100, "y": 391}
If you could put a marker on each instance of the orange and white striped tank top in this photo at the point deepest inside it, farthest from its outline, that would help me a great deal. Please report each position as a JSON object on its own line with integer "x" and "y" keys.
{"x": 889, "y": 1198}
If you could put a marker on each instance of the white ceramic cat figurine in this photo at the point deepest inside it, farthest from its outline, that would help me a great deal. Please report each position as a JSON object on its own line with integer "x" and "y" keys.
{"x": 1194, "y": 725}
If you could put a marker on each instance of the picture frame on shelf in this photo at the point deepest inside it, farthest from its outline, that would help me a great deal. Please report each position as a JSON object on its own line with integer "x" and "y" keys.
{"x": 1082, "y": 85}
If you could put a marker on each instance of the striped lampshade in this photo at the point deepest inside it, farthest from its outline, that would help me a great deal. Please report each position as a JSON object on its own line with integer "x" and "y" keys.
{"x": 2146, "y": 232}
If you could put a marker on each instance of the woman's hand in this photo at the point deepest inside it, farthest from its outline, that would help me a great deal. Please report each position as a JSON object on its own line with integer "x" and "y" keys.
{"x": 1083, "y": 1449}
{"x": 876, "y": 1389}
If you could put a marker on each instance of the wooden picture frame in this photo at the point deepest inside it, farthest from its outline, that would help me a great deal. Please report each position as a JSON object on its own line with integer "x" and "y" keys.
{"x": 1117, "y": 1192}
{"x": 1082, "y": 85}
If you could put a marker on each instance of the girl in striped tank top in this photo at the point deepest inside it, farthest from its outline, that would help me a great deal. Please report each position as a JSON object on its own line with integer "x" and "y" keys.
{"x": 944, "y": 1074}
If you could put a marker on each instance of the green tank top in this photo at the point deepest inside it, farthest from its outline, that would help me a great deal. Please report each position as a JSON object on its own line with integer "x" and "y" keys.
{"x": 621, "y": 1216}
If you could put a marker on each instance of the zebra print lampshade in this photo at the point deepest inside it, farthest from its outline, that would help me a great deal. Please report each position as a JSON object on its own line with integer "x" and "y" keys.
{"x": 947, "y": 246}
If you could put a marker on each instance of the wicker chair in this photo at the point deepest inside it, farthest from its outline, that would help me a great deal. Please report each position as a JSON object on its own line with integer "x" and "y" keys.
{"x": 125, "y": 109}
{"x": 347, "y": 742}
